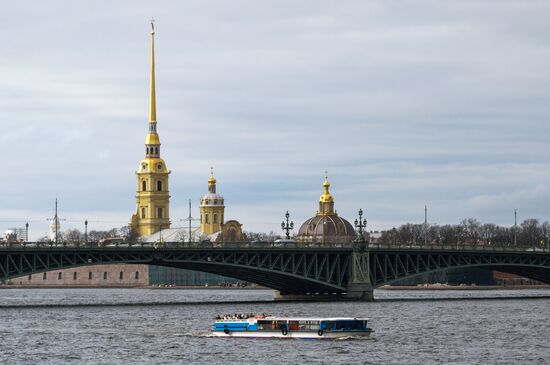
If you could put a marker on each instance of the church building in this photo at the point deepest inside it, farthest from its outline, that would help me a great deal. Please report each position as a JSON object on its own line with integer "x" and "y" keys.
{"x": 326, "y": 225}
{"x": 152, "y": 197}
{"x": 212, "y": 222}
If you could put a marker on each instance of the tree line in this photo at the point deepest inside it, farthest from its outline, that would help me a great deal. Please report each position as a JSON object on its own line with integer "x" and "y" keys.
{"x": 531, "y": 233}
{"x": 75, "y": 235}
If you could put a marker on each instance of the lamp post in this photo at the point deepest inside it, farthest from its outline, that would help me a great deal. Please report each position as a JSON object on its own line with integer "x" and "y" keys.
{"x": 515, "y": 227}
{"x": 425, "y": 225}
{"x": 27, "y": 232}
{"x": 360, "y": 224}
{"x": 288, "y": 226}
{"x": 86, "y": 232}
{"x": 160, "y": 235}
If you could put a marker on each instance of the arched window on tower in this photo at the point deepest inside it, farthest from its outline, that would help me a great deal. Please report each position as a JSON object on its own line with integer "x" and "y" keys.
{"x": 143, "y": 213}
{"x": 159, "y": 213}
{"x": 215, "y": 218}
{"x": 206, "y": 218}
{"x": 159, "y": 185}
{"x": 156, "y": 150}
{"x": 201, "y": 218}
{"x": 144, "y": 185}
{"x": 147, "y": 150}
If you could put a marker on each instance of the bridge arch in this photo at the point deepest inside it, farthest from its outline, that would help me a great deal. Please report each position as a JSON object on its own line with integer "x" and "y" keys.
{"x": 288, "y": 272}
{"x": 389, "y": 267}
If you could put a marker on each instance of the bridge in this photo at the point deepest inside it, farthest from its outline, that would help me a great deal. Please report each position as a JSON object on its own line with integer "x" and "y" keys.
{"x": 296, "y": 271}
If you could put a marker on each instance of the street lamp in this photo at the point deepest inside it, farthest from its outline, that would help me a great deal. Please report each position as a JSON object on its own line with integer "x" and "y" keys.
{"x": 160, "y": 234}
{"x": 515, "y": 227}
{"x": 288, "y": 226}
{"x": 360, "y": 224}
{"x": 86, "y": 231}
{"x": 27, "y": 232}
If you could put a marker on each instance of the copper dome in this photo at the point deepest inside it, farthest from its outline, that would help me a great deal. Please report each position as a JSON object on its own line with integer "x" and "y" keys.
{"x": 326, "y": 228}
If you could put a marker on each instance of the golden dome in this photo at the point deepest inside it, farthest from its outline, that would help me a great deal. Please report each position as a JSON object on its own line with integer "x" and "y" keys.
{"x": 326, "y": 197}
{"x": 211, "y": 180}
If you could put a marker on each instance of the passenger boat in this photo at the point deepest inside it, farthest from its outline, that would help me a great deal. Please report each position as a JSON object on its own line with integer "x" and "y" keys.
{"x": 288, "y": 327}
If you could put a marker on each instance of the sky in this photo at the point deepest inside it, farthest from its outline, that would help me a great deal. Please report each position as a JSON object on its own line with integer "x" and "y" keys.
{"x": 404, "y": 103}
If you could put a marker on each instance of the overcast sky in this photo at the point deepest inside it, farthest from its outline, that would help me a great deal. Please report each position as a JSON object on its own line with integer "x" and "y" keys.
{"x": 406, "y": 104}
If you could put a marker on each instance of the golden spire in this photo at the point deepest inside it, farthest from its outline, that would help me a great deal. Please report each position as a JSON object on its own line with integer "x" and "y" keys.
{"x": 153, "y": 101}
{"x": 326, "y": 197}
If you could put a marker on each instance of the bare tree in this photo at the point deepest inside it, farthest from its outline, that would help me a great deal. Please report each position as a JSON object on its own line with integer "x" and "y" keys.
{"x": 487, "y": 233}
{"x": 73, "y": 235}
{"x": 530, "y": 234}
{"x": 471, "y": 228}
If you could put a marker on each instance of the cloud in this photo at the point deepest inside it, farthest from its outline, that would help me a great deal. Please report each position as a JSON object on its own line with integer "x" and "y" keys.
{"x": 444, "y": 104}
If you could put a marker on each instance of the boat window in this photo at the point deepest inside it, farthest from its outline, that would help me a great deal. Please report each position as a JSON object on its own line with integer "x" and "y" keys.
{"x": 309, "y": 325}
{"x": 340, "y": 325}
{"x": 328, "y": 326}
{"x": 356, "y": 325}
{"x": 266, "y": 325}
{"x": 293, "y": 325}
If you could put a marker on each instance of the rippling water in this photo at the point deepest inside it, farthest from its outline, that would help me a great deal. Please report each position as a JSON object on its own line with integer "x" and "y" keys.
{"x": 161, "y": 326}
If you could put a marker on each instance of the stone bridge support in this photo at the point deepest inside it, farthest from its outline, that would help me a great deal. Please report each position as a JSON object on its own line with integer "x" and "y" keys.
{"x": 359, "y": 286}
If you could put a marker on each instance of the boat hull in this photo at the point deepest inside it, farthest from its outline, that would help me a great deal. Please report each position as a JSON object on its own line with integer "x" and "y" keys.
{"x": 298, "y": 334}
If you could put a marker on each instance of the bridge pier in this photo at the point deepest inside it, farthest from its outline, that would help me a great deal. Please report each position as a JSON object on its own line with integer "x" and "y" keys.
{"x": 359, "y": 285}
{"x": 355, "y": 293}
{"x": 360, "y": 292}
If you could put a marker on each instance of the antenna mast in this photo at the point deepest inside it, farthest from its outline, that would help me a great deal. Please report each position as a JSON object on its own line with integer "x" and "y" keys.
{"x": 189, "y": 220}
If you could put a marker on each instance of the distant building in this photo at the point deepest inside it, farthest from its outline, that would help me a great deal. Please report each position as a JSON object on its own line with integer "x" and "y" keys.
{"x": 55, "y": 226}
{"x": 122, "y": 275}
{"x": 14, "y": 235}
{"x": 326, "y": 225}
{"x": 119, "y": 275}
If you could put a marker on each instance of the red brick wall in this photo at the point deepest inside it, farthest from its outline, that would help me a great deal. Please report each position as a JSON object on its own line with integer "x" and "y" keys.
{"x": 94, "y": 275}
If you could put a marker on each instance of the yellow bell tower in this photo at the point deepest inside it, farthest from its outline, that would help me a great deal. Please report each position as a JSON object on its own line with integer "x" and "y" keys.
{"x": 211, "y": 209}
{"x": 152, "y": 197}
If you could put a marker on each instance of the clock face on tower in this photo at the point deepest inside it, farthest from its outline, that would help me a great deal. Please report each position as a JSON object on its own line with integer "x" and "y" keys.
{"x": 159, "y": 166}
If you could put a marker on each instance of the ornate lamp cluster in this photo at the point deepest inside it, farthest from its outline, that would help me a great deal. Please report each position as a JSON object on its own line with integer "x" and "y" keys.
{"x": 287, "y": 226}
{"x": 360, "y": 224}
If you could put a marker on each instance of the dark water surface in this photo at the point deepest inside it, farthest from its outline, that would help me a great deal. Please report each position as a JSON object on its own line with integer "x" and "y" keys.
{"x": 130, "y": 326}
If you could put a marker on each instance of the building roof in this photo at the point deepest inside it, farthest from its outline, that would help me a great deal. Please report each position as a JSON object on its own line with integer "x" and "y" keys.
{"x": 180, "y": 234}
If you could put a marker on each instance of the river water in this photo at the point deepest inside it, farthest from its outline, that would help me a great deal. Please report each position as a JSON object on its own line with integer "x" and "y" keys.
{"x": 171, "y": 326}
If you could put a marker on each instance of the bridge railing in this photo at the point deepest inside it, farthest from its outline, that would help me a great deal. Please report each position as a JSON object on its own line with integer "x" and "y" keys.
{"x": 268, "y": 245}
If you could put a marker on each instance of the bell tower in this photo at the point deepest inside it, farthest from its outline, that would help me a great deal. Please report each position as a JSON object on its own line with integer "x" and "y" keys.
{"x": 152, "y": 196}
{"x": 212, "y": 209}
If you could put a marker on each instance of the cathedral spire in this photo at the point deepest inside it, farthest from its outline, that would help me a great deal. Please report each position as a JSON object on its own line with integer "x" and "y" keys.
{"x": 152, "y": 195}
{"x": 152, "y": 142}
{"x": 152, "y": 101}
